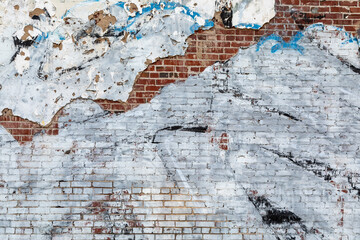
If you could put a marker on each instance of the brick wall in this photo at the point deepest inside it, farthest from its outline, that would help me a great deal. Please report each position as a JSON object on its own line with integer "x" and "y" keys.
{"x": 246, "y": 144}
{"x": 210, "y": 46}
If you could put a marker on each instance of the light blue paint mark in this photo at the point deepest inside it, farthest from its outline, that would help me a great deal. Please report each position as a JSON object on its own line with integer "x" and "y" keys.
{"x": 208, "y": 24}
{"x": 248, "y": 25}
{"x": 161, "y": 6}
{"x": 166, "y": 6}
{"x": 293, "y": 44}
{"x": 351, "y": 40}
{"x": 45, "y": 35}
{"x": 42, "y": 36}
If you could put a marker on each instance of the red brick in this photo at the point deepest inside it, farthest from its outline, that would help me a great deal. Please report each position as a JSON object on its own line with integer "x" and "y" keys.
{"x": 355, "y": 10}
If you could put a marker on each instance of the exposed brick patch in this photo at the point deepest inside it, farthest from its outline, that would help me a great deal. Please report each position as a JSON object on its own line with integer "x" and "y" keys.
{"x": 222, "y": 141}
{"x": 23, "y": 130}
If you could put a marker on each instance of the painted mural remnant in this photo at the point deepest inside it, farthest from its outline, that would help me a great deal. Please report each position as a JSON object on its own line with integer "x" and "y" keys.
{"x": 284, "y": 160}
{"x": 95, "y": 49}
{"x": 265, "y": 145}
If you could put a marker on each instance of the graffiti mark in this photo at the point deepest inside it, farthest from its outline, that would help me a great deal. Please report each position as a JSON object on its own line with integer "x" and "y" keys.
{"x": 321, "y": 170}
{"x": 281, "y": 113}
{"x": 226, "y": 16}
{"x": 293, "y": 44}
{"x": 197, "y": 129}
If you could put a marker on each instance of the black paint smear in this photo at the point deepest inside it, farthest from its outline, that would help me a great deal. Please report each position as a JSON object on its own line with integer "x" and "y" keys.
{"x": 352, "y": 184}
{"x": 201, "y": 129}
{"x": 354, "y": 69}
{"x": 275, "y": 216}
{"x": 226, "y": 16}
{"x": 39, "y": 71}
{"x": 35, "y": 17}
{"x": 198, "y": 129}
{"x": 281, "y": 113}
{"x": 320, "y": 169}
{"x": 72, "y": 69}
{"x": 172, "y": 128}
{"x": 288, "y": 115}
{"x": 272, "y": 214}
{"x": 14, "y": 56}
{"x": 47, "y": 14}
{"x": 76, "y": 68}
{"x": 302, "y": 19}
{"x": 19, "y": 43}
{"x": 81, "y": 34}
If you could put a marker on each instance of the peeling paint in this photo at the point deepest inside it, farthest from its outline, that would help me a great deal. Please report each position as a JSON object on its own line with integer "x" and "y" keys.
{"x": 63, "y": 54}
{"x": 280, "y": 159}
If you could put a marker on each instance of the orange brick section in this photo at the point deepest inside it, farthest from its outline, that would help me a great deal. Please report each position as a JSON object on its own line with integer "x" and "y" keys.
{"x": 23, "y": 130}
{"x": 209, "y": 46}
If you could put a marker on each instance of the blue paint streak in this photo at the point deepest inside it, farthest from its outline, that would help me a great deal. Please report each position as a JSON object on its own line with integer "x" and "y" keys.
{"x": 248, "y": 25}
{"x": 293, "y": 44}
{"x": 162, "y": 6}
{"x": 165, "y": 6}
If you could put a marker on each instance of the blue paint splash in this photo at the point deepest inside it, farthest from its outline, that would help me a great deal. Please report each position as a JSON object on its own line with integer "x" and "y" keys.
{"x": 162, "y": 6}
{"x": 248, "y": 25}
{"x": 293, "y": 44}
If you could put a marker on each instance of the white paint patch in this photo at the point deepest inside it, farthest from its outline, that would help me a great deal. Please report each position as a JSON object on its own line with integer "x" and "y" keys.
{"x": 303, "y": 108}
{"x": 337, "y": 41}
{"x": 248, "y": 13}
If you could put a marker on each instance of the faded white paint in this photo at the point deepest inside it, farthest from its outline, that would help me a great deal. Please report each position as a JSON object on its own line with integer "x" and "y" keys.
{"x": 247, "y": 98}
{"x": 344, "y": 46}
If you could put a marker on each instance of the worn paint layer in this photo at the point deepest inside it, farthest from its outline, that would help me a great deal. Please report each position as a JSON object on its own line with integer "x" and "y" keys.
{"x": 266, "y": 141}
{"x": 96, "y": 49}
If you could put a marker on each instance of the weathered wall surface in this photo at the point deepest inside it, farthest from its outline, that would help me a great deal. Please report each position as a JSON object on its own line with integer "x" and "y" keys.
{"x": 180, "y": 120}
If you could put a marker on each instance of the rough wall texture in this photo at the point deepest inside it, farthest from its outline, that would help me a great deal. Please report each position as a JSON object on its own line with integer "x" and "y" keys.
{"x": 248, "y": 134}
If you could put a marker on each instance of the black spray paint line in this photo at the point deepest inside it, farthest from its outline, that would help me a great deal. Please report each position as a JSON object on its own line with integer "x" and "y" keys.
{"x": 321, "y": 170}
{"x": 279, "y": 217}
{"x": 197, "y": 129}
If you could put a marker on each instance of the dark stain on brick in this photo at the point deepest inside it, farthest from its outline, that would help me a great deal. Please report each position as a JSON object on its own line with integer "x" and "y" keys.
{"x": 304, "y": 19}
{"x": 200, "y": 129}
{"x": 273, "y": 215}
{"x": 288, "y": 115}
{"x": 322, "y": 170}
{"x": 353, "y": 68}
{"x": 20, "y": 43}
{"x": 197, "y": 129}
{"x": 226, "y": 16}
{"x": 281, "y": 113}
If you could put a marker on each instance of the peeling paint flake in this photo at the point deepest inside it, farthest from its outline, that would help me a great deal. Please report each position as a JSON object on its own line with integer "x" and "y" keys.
{"x": 113, "y": 40}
